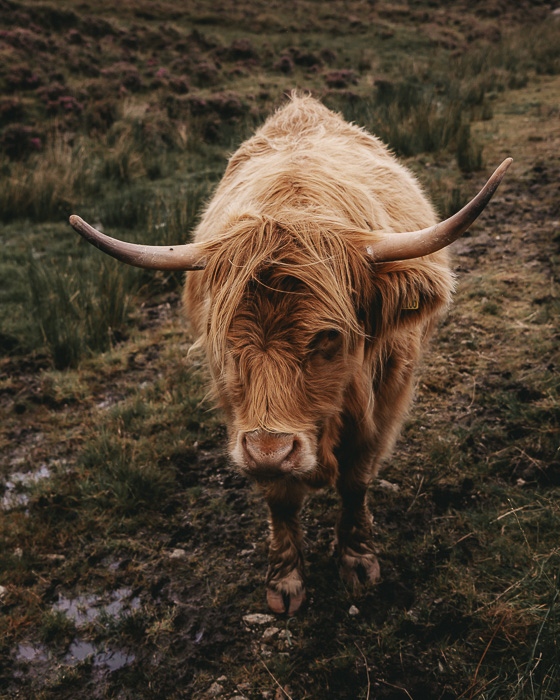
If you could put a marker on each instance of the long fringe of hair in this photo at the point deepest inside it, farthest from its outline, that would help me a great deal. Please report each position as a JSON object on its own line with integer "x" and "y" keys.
{"x": 317, "y": 252}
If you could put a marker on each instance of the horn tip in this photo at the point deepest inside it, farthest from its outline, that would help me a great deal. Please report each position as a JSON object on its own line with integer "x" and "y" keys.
{"x": 500, "y": 171}
{"x": 74, "y": 220}
{"x": 505, "y": 164}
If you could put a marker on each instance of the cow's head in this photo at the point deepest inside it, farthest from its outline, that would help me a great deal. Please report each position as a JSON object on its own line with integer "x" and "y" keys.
{"x": 285, "y": 337}
{"x": 290, "y": 305}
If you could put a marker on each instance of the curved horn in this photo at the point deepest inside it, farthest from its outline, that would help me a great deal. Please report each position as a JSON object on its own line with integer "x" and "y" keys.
{"x": 151, "y": 257}
{"x": 415, "y": 244}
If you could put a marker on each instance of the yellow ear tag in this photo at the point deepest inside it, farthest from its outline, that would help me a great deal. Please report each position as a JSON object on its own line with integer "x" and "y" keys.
{"x": 412, "y": 306}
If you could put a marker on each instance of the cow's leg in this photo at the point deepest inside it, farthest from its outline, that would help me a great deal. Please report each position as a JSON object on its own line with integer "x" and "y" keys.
{"x": 362, "y": 448}
{"x": 285, "y": 576}
{"x": 354, "y": 545}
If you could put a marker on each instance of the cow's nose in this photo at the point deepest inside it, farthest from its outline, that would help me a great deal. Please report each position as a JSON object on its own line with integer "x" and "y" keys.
{"x": 270, "y": 451}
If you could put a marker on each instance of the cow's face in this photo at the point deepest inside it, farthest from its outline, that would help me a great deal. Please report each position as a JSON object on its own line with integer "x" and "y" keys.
{"x": 287, "y": 367}
{"x": 284, "y": 340}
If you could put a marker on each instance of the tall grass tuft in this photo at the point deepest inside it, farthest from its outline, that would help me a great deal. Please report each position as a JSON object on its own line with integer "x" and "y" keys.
{"x": 447, "y": 197}
{"x": 140, "y": 145}
{"x": 79, "y": 308}
{"x": 509, "y": 62}
{"x": 413, "y": 118}
{"x": 468, "y": 153}
{"x": 44, "y": 187}
{"x": 171, "y": 219}
{"x": 66, "y": 169}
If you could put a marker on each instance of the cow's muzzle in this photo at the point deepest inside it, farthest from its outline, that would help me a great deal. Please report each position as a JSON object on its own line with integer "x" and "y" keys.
{"x": 269, "y": 455}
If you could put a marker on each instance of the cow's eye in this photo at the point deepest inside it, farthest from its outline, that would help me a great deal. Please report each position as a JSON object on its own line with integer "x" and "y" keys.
{"x": 326, "y": 343}
{"x": 332, "y": 335}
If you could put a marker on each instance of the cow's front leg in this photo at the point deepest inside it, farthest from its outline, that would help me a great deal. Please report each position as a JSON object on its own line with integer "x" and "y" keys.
{"x": 285, "y": 577}
{"x": 354, "y": 545}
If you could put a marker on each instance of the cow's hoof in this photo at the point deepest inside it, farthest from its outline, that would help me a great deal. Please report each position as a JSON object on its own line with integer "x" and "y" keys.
{"x": 358, "y": 570}
{"x": 287, "y": 594}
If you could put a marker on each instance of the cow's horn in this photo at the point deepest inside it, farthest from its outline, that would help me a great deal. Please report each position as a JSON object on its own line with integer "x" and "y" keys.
{"x": 152, "y": 257}
{"x": 414, "y": 244}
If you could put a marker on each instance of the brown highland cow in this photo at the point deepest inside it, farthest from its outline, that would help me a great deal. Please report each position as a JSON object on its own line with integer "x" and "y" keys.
{"x": 319, "y": 271}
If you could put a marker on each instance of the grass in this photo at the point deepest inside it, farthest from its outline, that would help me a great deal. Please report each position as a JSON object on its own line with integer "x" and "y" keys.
{"x": 125, "y": 161}
{"x": 79, "y": 310}
{"x": 97, "y": 388}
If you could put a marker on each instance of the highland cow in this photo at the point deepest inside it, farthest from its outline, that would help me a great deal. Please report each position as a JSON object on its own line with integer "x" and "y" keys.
{"x": 318, "y": 273}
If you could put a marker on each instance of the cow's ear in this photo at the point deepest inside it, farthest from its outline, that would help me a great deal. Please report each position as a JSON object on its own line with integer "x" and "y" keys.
{"x": 405, "y": 293}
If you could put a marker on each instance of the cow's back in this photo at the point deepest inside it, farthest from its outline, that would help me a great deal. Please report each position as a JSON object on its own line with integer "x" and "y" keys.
{"x": 306, "y": 158}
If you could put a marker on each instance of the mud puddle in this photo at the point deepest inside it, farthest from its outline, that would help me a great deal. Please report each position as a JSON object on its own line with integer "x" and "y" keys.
{"x": 16, "y": 487}
{"x": 36, "y": 660}
{"x": 86, "y": 608}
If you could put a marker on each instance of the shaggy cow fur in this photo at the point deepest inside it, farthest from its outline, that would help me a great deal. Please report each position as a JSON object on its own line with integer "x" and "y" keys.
{"x": 312, "y": 345}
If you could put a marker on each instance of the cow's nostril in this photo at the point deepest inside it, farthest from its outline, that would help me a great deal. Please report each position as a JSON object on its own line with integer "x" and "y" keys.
{"x": 295, "y": 451}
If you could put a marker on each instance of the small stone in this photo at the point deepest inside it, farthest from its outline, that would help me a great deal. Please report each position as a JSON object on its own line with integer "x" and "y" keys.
{"x": 214, "y": 690}
{"x": 387, "y": 486}
{"x": 178, "y": 554}
{"x": 258, "y": 619}
{"x": 353, "y": 610}
{"x": 3, "y": 590}
{"x": 270, "y": 633}
{"x": 222, "y": 679}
